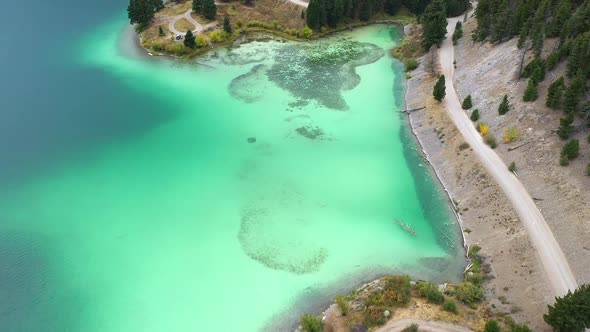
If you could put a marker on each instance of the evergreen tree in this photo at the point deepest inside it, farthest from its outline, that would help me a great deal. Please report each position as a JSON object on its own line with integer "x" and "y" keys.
{"x": 439, "y": 91}
{"x": 577, "y": 303}
{"x": 209, "y": 9}
{"x": 157, "y": 4}
{"x": 198, "y": 6}
{"x": 313, "y": 14}
{"x": 474, "y": 115}
{"x": 531, "y": 93}
{"x": 504, "y": 106}
{"x": 565, "y": 126}
{"x": 467, "y": 103}
{"x": 161, "y": 31}
{"x": 392, "y": 6}
{"x": 227, "y": 25}
{"x": 458, "y": 33}
{"x": 563, "y": 13}
{"x": 573, "y": 94}
{"x": 140, "y": 12}
{"x": 554, "y": 93}
{"x": 579, "y": 58}
{"x": 189, "y": 40}
{"x": 434, "y": 23}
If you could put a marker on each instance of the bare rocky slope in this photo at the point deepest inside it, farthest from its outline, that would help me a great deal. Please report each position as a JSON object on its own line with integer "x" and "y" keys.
{"x": 488, "y": 72}
{"x": 518, "y": 284}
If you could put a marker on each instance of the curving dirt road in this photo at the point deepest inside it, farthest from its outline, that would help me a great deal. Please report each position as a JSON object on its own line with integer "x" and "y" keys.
{"x": 554, "y": 262}
{"x": 187, "y": 16}
{"x": 430, "y": 326}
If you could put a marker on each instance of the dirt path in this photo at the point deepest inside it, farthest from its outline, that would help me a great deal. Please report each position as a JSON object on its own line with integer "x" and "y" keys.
{"x": 188, "y": 17}
{"x": 542, "y": 239}
{"x": 398, "y": 325}
{"x": 299, "y": 3}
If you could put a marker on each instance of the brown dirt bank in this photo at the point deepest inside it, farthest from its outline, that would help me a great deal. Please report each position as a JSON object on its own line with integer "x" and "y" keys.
{"x": 518, "y": 285}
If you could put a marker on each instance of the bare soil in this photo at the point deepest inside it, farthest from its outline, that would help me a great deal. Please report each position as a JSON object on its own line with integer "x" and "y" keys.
{"x": 517, "y": 285}
{"x": 488, "y": 72}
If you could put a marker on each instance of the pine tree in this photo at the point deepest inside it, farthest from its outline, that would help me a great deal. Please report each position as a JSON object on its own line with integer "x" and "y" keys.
{"x": 531, "y": 93}
{"x": 458, "y": 33}
{"x": 189, "y": 40}
{"x": 434, "y": 23}
{"x": 227, "y": 25}
{"x": 140, "y": 12}
{"x": 313, "y": 14}
{"x": 474, "y": 115}
{"x": 439, "y": 91}
{"x": 554, "y": 93}
{"x": 504, "y": 106}
{"x": 561, "y": 16}
{"x": 467, "y": 103}
{"x": 565, "y": 126}
{"x": 198, "y": 6}
{"x": 571, "y": 151}
{"x": 209, "y": 9}
{"x": 573, "y": 94}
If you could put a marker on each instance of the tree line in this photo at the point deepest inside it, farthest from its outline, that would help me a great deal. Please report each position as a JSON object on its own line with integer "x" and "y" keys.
{"x": 330, "y": 13}
{"x": 141, "y": 12}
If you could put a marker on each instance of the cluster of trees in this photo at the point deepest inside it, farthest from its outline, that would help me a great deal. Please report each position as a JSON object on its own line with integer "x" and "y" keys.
{"x": 534, "y": 21}
{"x": 141, "y": 12}
{"x": 207, "y": 8}
{"x": 330, "y": 13}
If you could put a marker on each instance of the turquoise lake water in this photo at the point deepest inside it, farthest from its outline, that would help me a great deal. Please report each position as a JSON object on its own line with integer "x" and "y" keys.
{"x": 133, "y": 200}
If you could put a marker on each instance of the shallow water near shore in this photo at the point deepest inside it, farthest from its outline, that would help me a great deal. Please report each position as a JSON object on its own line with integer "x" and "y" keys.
{"x": 259, "y": 182}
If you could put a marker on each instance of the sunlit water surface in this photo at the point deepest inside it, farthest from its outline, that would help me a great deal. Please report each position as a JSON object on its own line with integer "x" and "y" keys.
{"x": 179, "y": 221}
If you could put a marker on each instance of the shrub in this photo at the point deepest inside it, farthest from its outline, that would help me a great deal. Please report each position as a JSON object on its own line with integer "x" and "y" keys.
{"x": 374, "y": 315}
{"x": 307, "y": 32}
{"x": 510, "y": 134}
{"x": 570, "y": 150}
{"x": 463, "y": 146}
{"x": 217, "y": 36}
{"x": 512, "y": 167}
{"x": 492, "y": 326}
{"x": 570, "y": 313}
{"x": 430, "y": 292}
{"x": 588, "y": 170}
{"x": 483, "y": 128}
{"x": 397, "y": 290}
{"x": 490, "y": 140}
{"x": 520, "y": 328}
{"x": 342, "y": 304}
{"x": 563, "y": 160}
{"x": 467, "y": 103}
{"x": 201, "y": 41}
{"x": 411, "y": 64}
{"x": 311, "y": 323}
{"x": 411, "y": 328}
{"x": 450, "y": 306}
{"x": 468, "y": 292}
{"x": 474, "y": 115}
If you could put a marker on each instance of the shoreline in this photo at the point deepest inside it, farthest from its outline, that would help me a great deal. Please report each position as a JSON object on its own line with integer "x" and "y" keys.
{"x": 517, "y": 285}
